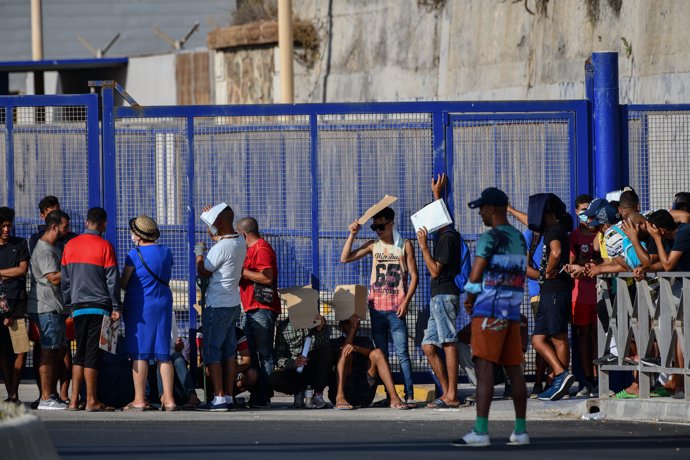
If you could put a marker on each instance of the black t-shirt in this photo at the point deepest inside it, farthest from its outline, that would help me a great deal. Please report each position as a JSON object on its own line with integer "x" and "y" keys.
{"x": 562, "y": 281}
{"x": 447, "y": 252}
{"x": 11, "y": 254}
{"x": 680, "y": 243}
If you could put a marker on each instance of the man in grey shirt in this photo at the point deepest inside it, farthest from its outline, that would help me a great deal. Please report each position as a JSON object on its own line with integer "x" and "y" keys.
{"x": 46, "y": 308}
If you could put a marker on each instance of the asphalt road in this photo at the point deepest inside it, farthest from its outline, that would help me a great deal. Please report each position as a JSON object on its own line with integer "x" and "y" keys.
{"x": 351, "y": 438}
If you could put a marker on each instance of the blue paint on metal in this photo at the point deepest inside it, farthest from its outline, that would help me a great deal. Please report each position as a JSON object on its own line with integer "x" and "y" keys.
{"x": 109, "y": 164}
{"x": 94, "y": 154}
{"x": 315, "y": 187}
{"x": 62, "y": 64}
{"x": 191, "y": 258}
{"x": 506, "y": 107}
{"x": 9, "y": 153}
{"x": 589, "y": 95}
{"x": 581, "y": 155}
{"x": 606, "y": 122}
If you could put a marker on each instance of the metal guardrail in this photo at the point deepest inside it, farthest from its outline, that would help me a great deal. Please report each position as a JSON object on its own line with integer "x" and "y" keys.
{"x": 653, "y": 314}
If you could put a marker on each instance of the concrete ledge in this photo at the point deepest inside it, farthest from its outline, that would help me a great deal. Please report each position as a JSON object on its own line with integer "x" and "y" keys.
{"x": 643, "y": 410}
{"x": 23, "y": 436}
{"x": 422, "y": 393}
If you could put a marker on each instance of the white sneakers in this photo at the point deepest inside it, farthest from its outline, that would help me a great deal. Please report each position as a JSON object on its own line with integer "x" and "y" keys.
{"x": 474, "y": 439}
{"x": 518, "y": 439}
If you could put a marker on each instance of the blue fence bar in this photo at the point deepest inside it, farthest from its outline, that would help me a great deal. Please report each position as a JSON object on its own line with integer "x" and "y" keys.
{"x": 606, "y": 123}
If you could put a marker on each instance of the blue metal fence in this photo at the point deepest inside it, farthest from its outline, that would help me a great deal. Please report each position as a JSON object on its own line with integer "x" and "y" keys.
{"x": 307, "y": 171}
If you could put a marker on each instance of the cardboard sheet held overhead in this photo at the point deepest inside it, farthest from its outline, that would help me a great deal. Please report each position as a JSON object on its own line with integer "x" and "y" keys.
{"x": 384, "y": 203}
{"x": 302, "y": 304}
{"x": 19, "y": 336}
{"x": 348, "y": 300}
{"x": 432, "y": 216}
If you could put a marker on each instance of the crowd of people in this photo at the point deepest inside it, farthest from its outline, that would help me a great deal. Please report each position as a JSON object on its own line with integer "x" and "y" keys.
{"x": 76, "y": 283}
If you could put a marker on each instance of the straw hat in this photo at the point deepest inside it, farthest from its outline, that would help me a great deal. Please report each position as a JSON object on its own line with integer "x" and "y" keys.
{"x": 145, "y": 228}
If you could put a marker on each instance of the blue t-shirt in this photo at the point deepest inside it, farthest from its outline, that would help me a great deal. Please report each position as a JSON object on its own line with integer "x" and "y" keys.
{"x": 533, "y": 285}
{"x": 629, "y": 253}
{"x": 503, "y": 281}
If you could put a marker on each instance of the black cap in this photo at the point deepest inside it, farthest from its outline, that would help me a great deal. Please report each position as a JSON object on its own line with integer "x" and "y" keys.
{"x": 492, "y": 196}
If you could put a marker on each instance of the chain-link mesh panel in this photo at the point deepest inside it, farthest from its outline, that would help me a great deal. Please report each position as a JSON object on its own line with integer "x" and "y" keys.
{"x": 520, "y": 157}
{"x": 50, "y": 158}
{"x": 658, "y": 144}
{"x": 260, "y": 166}
{"x": 3, "y": 155}
{"x": 361, "y": 159}
{"x": 151, "y": 175}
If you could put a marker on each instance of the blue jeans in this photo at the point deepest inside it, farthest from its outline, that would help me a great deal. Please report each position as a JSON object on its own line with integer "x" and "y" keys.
{"x": 220, "y": 341}
{"x": 441, "y": 327}
{"x": 259, "y": 328}
{"x": 381, "y": 323}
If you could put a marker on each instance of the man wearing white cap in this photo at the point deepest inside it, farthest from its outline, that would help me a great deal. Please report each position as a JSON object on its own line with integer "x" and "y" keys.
{"x": 223, "y": 267}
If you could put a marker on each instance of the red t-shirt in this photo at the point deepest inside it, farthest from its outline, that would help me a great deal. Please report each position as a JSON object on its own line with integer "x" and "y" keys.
{"x": 260, "y": 256}
{"x": 582, "y": 247}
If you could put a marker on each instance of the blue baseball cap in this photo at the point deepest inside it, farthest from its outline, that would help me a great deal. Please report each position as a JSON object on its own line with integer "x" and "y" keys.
{"x": 605, "y": 215}
{"x": 595, "y": 206}
{"x": 492, "y": 196}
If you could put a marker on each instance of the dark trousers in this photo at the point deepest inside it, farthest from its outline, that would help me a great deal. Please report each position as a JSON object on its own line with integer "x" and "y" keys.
{"x": 316, "y": 373}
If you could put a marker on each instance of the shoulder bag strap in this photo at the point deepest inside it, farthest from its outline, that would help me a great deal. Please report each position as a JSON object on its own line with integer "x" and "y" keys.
{"x": 143, "y": 262}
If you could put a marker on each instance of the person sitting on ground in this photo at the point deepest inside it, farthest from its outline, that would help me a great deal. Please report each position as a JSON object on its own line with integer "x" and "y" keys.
{"x": 184, "y": 391}
{"x": 359, "y": 365}
{"x": 246, "y": 374}
{"x": 316, "y": 366}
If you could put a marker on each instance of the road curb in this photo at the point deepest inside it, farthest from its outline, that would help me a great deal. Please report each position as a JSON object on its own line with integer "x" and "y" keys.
{"x": 641, "y": 410}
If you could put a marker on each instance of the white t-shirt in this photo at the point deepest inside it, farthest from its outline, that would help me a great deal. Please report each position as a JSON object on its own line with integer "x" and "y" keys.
{"x": 225, "y": 259}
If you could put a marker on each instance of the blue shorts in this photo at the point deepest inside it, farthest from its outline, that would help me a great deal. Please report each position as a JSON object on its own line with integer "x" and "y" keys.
{"x": 53, "y": 330}
{"x": 220, "y": 341}
{"x": 553, "y": 313}
{"x": 441, "y": 327}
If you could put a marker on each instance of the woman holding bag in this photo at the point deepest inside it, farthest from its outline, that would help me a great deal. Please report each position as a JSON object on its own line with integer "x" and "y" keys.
{"x": 148, "y": 311}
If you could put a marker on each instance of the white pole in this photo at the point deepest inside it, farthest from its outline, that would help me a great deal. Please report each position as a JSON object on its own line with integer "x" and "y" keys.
{"x": 36, "y": 30}
{"x": 285, "y": 45}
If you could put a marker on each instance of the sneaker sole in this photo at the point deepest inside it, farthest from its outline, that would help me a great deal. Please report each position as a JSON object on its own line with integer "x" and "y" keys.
{"x": 51, "y": 408}
{"x": 454, "y": 444}
{"x": 565, "y": 386}
{"x": 509, "y": 443}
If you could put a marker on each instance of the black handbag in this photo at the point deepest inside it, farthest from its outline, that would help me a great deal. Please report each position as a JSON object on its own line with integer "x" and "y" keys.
{"x": 263, "y": 294}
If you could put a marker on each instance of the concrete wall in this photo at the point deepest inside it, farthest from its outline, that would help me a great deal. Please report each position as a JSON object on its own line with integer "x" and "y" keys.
{"x": 493, "y": 49}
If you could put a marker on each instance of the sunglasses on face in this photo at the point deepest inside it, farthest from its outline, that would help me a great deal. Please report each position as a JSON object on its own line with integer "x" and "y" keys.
{"x": 379, "y": 227}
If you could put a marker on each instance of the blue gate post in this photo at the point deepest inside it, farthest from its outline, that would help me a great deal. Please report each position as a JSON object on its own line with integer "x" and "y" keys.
{"x": 191, "y": 241}
{"x": 9, "y": 153}
{"x": 589, "y": 95}
{"x": 109, "y": 162}
{"x": 607, "y": 160}
{"x": 314, "y": 172}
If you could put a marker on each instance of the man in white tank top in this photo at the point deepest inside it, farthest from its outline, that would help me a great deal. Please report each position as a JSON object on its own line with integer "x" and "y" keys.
{"x": 389, "y": 291}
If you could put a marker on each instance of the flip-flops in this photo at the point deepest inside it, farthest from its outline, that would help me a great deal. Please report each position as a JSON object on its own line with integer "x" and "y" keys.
{"x": 400, "y": 406}
{"x": 344, "y": 407}
{"x": 625, "y": 395}
{"x": 441, "y": 404}
{"x": 132, "y": 408}
{"x": 78, "y": 407}
{"x": 100, "y": 408}
{"x": 165, "y": 408}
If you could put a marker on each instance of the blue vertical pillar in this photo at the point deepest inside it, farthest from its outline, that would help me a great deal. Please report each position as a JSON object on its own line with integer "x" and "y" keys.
{"x": 606, "y": 123}
{"x": 589, "y": 96}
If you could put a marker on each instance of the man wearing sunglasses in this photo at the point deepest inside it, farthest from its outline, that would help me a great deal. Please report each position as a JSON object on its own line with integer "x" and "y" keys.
{"x": 389, "y": 292}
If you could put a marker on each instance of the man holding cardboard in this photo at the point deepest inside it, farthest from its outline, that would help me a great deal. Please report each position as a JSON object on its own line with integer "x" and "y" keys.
{"x": 296, "y": 370}
{"x": 441, "y": 331}
{"x": 223, "y": 267}
{"x": 389, "y": 292}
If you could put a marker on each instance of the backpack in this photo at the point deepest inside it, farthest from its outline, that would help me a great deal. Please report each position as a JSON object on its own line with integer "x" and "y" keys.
{"x": 465, "y": 267}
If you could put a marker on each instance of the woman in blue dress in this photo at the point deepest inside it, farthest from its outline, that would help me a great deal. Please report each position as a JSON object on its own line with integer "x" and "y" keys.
{"x": 148, "y": 313}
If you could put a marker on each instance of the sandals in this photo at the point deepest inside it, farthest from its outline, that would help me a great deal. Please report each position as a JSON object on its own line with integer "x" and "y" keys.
{"x": 400, "y": 406}
{"x": 100, "y": 408}
{"x": 441, "y": 404}
{"x": 165, "y": 408}
{"x": 132, "y": 408}
{"x": 345, "y": 406}
{"x": 78, "y": 407}
{"x": 625, "y": 395}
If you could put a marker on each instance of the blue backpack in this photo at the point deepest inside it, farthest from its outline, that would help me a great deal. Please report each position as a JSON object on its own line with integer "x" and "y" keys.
{"x": 463, "y": 275}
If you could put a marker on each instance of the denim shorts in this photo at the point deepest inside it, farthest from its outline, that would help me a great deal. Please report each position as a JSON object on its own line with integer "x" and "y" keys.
{"x": 220, "y": 341}
{"x": 441, "y": 327}
{"x": 52, "y": 327}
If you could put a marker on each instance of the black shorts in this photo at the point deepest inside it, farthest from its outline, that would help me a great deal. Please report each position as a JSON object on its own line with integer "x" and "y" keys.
{"x": 87, "y": 329}
{"x": 553, "y": 313}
